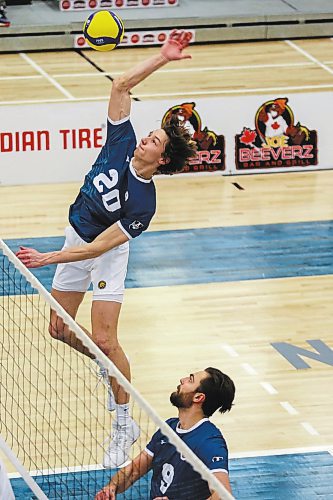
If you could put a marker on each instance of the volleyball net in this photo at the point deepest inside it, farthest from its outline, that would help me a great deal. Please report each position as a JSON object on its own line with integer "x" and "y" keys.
{"x": 54, "y": 424}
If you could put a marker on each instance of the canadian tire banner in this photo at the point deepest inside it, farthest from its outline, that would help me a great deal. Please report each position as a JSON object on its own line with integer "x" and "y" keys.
{"x": 59, "y": 141}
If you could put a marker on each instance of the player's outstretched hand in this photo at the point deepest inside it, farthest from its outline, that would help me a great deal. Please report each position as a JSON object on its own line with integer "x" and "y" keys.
{"x": 107, "y": 493}
{"x": 31, "y": 257}
{"x": 177, "y": 41}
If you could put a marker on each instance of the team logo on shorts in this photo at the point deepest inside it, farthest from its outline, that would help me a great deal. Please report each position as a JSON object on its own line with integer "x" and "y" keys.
{"x": 136, "y": 225}
{"x": 217, "y": 459}
{"x": 101, "y": 284}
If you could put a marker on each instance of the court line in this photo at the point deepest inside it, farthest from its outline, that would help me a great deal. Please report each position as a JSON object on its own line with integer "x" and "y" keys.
{"x": 180, "y": 70}
{"x": 249, "y": 369}
{"x": 281, "y": 451}
{"x": 242, "y": 454}
{"x": 46, "y": 75}
{"x": 26, "y": 77}
{"x": 239, "y": 91}
{"x": 289, "y": 408}
{"x": 268, "y": 387}
{"x": 311, "y": 430}
{"x": 309, "y": 56}
{"x": 230, "y": 350}
{"x": 196, "y": 69}
{"x": 177, "y": 94}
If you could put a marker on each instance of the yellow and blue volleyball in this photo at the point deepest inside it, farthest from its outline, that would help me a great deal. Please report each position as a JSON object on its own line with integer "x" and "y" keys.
{"x": 103, "y": 30}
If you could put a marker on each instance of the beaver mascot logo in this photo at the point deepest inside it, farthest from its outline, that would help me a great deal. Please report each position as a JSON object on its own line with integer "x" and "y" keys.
{"x": 210, "y": 154}
{"x": 276, "y": 140}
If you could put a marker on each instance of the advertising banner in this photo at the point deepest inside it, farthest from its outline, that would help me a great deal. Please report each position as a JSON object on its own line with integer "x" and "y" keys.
{"x": 58, "y": 142}
{"x": 134, "y": 38}
{"x": 67, "y": 5}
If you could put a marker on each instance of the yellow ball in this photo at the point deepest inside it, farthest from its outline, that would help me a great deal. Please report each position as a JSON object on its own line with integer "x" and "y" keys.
{"x": 103, "y": 30}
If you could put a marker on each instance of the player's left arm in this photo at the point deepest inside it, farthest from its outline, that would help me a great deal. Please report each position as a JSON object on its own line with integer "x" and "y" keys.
{"x": 126, "y": 476}
{"x": 112, "y": 237}
{"x": 223, "y": 477}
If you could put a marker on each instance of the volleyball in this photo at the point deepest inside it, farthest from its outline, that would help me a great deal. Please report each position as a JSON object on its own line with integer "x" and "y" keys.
{"x": 103, "y": 30}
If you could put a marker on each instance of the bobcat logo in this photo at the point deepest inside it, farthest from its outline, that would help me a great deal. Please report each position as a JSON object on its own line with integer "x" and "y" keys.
{"x": 136, "y": 225}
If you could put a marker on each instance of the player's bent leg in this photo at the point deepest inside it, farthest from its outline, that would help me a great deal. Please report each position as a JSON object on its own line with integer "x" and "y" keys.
{"x": 70, "y": 301}
{"x": 105, "y": 315}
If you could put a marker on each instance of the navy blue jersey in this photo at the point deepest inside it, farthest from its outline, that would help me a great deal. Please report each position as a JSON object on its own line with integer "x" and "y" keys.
{"x": 112, "y": 192}
{"x": 172, "y": 476}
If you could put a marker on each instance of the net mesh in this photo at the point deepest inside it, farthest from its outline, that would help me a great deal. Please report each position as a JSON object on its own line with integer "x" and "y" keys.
{"x": 52, "y": 402}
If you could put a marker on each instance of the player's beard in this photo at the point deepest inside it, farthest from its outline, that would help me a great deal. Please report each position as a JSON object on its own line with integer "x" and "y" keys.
{"x": 181, "y": 400}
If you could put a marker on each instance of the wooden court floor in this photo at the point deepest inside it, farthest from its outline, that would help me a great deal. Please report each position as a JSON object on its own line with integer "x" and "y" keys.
{"x": 228, "y": 325}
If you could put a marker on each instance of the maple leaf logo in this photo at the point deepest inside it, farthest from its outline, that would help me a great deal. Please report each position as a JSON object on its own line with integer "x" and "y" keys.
{"x": 248, "y": 136}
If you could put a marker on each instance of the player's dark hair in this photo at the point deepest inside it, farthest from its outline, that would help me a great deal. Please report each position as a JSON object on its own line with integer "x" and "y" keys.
{"x": 219, "y": 390}
{"x": 179, "y": 148}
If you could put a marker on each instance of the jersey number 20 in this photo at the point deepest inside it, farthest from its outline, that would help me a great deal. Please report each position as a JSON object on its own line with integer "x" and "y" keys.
{"x": 104, "y": 185}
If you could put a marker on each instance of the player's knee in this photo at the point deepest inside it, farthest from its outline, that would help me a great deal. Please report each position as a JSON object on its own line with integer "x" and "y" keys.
{"x": 109, "y": 347}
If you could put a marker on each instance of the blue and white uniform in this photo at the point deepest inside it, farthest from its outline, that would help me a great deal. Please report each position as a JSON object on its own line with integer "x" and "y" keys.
{"x": 112, "y": 193}
{"x": 172, "y": 476}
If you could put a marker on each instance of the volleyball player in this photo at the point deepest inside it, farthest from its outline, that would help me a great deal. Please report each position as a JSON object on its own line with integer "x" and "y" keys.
{"x": 197, "y": 397}
{"x": 115, "y": 204}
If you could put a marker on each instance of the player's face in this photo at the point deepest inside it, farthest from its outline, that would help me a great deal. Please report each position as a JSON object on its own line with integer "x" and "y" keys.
{"x": 183, "y": 397}
{"x": 151, "y": 148}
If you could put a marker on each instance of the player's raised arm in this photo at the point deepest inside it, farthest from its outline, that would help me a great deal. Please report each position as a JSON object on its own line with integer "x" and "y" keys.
{"x": 110, "y": 238}
{"x": 172, "y": 50}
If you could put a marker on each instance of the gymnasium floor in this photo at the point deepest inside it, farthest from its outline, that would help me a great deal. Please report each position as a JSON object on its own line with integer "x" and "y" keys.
{"x": 187, "y": 304}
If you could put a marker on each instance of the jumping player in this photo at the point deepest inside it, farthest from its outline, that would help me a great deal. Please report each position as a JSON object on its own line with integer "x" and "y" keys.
{"x": 115, "y": 204}
{"x": 197, "y": 397}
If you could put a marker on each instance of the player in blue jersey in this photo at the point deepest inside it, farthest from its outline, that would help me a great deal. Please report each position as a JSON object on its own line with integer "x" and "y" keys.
{"x": 197, "y": 397}
{"x": 115, "y": 204}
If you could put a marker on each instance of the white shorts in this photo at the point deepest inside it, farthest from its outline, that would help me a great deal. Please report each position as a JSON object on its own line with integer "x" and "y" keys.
{"x": 107, "y": 272}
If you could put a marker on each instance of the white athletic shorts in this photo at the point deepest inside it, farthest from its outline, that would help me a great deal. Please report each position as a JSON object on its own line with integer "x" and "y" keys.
{"x": 107, "y": 272}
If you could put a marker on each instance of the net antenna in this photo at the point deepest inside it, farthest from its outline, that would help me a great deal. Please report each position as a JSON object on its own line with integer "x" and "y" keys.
{"x": 53, "y": 416}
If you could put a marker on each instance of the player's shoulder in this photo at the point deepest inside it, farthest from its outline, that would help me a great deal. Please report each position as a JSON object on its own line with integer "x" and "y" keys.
{"x": 172, "y": 422}
{"x": 210, "y": 430}
{"x": 120, "y": 130}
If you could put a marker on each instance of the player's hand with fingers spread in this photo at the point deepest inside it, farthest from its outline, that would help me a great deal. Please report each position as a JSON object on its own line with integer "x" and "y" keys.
{"x": 31, "y": 257}
{"x": 173, "y": 48}
{"x": 107, "y": 493}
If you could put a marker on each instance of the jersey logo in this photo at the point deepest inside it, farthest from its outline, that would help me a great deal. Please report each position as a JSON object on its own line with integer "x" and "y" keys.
{"x": 101, "y": 284}
{"x": 217, "y": 459}
{"x": 136, "y": 225}
{"x": 163, "y": 441}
